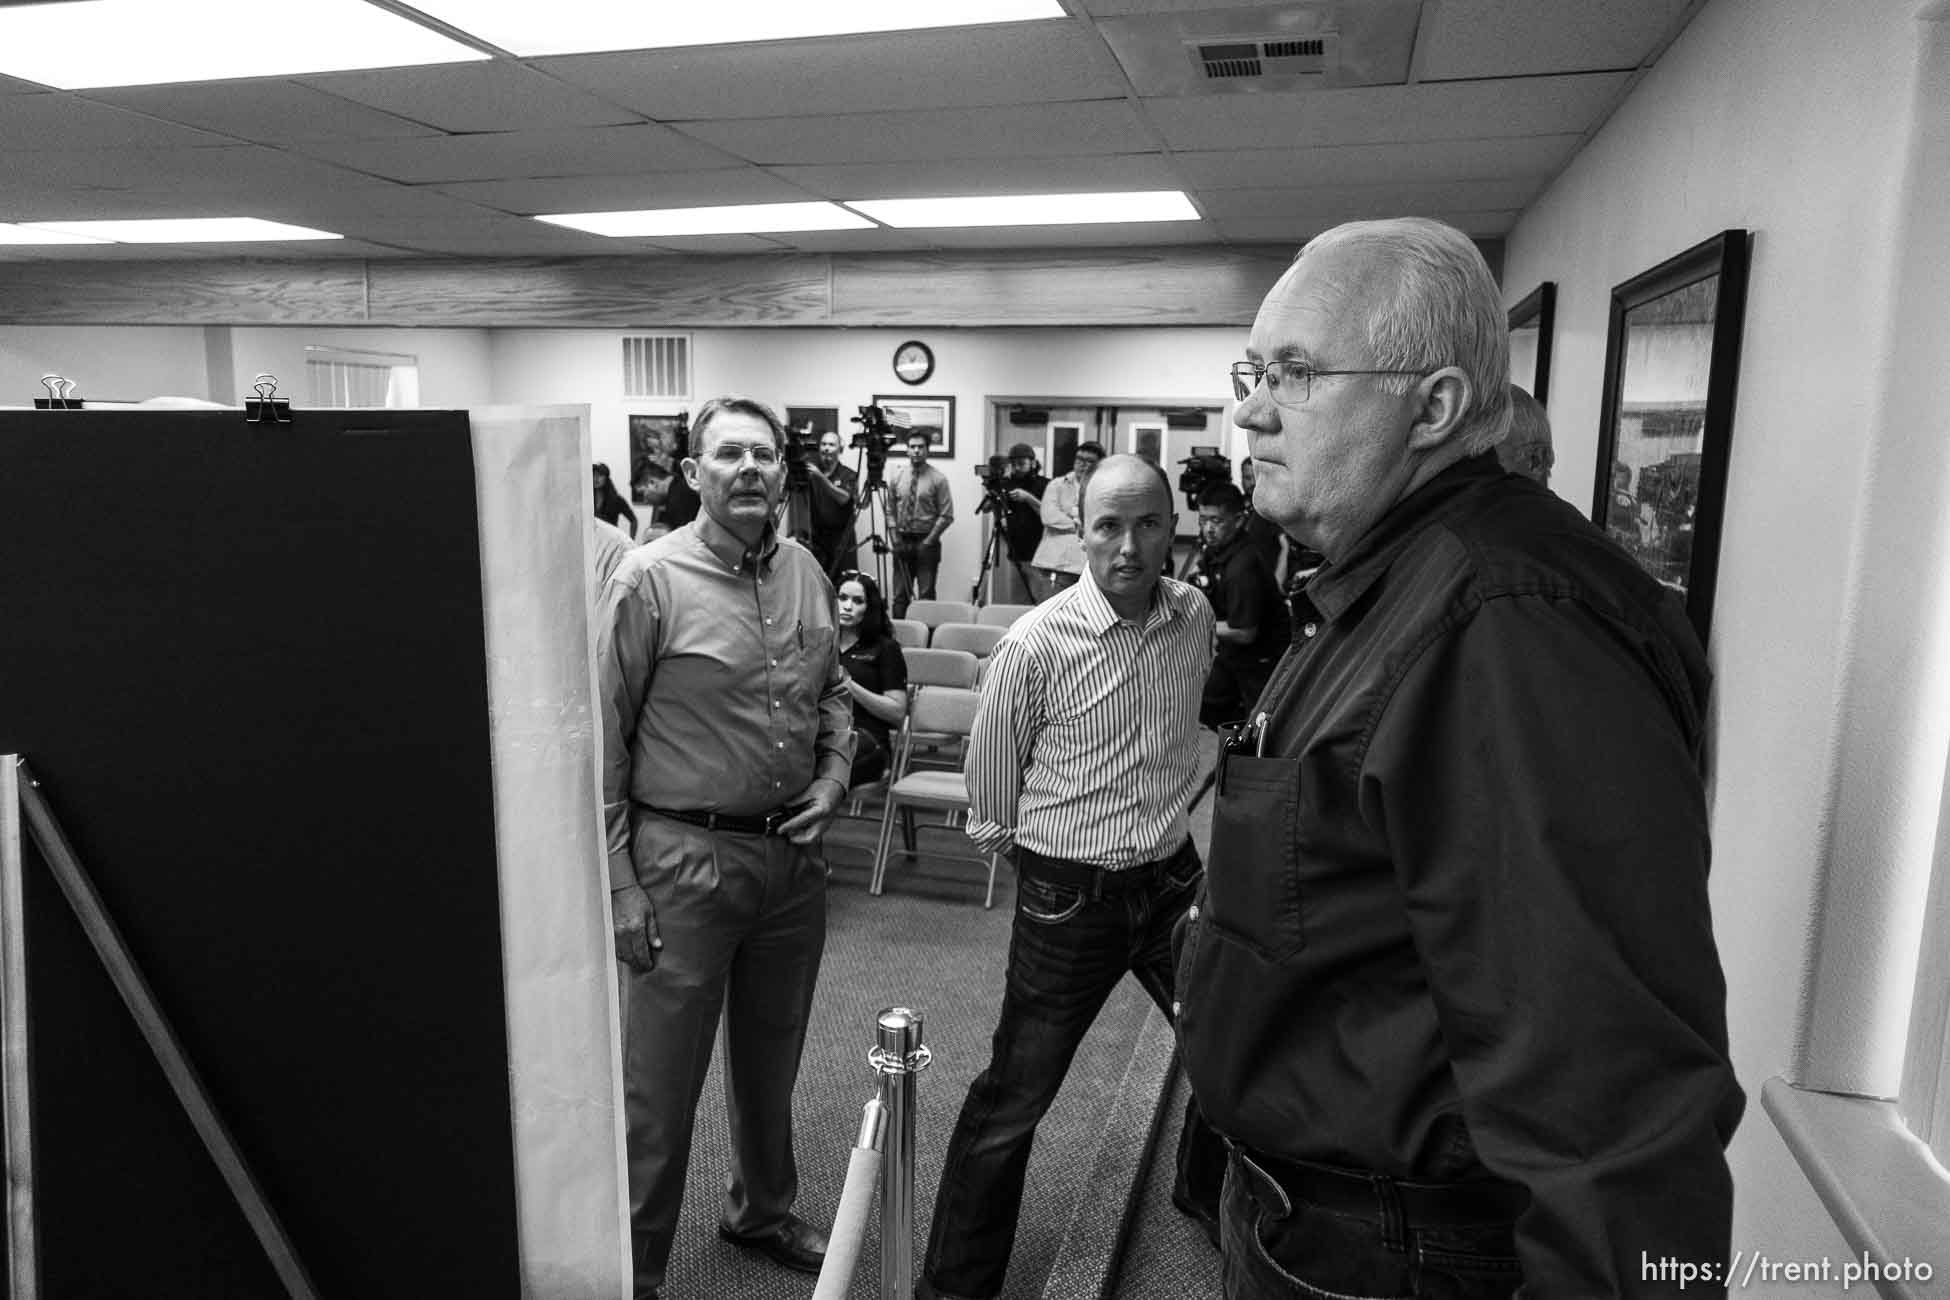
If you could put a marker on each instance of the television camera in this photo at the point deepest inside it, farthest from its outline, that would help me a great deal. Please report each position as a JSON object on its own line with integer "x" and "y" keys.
{"x": 876, "y": 436}
{"x": 994, "y": 478}
{"x": 1204, "y": 467}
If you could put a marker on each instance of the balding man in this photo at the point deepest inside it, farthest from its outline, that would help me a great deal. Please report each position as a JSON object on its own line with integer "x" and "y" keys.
{"x": 1083, "y": 759}
{"x": 1526, "y": 449}
{"x": 1451, "y": 990}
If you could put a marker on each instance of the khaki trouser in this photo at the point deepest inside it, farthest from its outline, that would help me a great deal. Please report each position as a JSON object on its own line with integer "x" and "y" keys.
{"x": 743, "y": 920}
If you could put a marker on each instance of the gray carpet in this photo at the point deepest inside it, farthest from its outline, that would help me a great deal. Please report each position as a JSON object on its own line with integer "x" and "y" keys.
{"x": 1166, "y": 1255}
{"x": 927, "y": 943}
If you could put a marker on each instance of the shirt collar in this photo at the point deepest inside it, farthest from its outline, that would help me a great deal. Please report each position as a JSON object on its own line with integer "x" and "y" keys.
{"x": 1339, "y": 583}
{"x": 730, "y": 551}
{"x": 1100, "y": 618}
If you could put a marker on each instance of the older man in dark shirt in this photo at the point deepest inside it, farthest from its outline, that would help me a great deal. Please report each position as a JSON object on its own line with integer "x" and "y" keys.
{"x": 727, "y": 737}
{"x": 1452, "y": 990}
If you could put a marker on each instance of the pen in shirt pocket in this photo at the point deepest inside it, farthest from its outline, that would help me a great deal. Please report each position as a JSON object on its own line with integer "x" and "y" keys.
{"x": 801, "y": 630}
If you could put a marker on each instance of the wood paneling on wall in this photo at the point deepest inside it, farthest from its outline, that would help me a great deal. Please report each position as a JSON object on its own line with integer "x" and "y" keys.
{"x": 1134, "y": 286}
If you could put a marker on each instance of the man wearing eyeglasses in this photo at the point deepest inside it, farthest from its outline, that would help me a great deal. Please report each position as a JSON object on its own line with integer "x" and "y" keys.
{"x": 1450, "y": 990}
{"x": 727, "y": 739}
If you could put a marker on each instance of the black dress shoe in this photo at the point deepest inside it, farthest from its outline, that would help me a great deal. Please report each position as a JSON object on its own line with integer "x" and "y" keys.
{"x": 794, "y": 1244}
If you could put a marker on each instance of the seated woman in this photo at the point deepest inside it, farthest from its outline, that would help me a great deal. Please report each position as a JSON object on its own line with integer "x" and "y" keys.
{"x": 876, "y": 674}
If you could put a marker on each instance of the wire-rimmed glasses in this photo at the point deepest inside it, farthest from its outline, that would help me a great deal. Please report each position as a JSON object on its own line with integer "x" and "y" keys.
{"x": 1288, "y": 383}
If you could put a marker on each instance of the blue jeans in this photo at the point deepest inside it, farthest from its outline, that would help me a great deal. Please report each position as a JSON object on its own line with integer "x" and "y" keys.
{"x": 1305, "y": 1252}
{"x": 1066, "y": 953}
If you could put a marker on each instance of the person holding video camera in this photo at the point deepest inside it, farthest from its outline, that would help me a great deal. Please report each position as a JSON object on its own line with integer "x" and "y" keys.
{"x": 727, "y": 730}
{"x": 923, "y": 509}
{"x": 835, "y": 495}
{"x": 1014, "y": 488}
{"x": 1252, "y": 629}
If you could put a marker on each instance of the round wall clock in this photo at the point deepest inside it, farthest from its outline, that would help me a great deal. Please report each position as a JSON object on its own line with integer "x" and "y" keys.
{"x": 913, "y": 362}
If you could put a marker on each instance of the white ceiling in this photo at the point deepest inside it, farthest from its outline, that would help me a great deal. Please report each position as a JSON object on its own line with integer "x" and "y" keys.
{"x": 1460, "y": 109}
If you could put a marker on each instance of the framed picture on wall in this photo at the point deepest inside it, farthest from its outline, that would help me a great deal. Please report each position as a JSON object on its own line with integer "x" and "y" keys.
{"x": 656, "y": 447}
{"x": 1532, "y": 322}
{"x": 1672, "y": 362}
{"x": 934, "y": 416}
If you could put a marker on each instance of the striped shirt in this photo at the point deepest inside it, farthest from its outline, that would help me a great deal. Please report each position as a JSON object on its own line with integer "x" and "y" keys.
{"x": 1085, "y": 745}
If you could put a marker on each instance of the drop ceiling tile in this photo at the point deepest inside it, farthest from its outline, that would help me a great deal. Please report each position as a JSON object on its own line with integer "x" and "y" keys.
{"x": 1107, "y": 8}
{"x": 66, "y": 121}
{"x": 1468, "y": 110}
{"x": 266, "y": 112}
{"x": 1036, "y": 130}
{"x": 149, "y": 177}
{"x": 587, "y": 152}
{"x": 1516, "y": 38}
{"x": 1525, "y": 157}
{"x": 1299, "y": 229}
{"x": 537, "y": 240}
{"x": 1098, "y": 236}
{"x": 1345, "y": 202}
{"x": 631, "y": 191}
{"x": 468, "y": 97}
{"x": 854, "y": 241}
{"x": 924, "y": 178}
{"x": 966, "y": 67}
{"x": 15, "y": 86}
{"x": 715, "y": 244}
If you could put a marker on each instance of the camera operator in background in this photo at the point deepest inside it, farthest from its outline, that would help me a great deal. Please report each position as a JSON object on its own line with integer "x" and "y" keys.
{"x": 834, "y": 497}
{"x": 1017, "y": 493}
{"x": 1252, "y": 630}
{"x": 923, "y": 509}
{"x": 1060, "y": 554}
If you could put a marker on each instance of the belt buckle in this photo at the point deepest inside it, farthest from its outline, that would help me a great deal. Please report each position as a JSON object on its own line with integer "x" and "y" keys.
{"x": 773, "y": 820}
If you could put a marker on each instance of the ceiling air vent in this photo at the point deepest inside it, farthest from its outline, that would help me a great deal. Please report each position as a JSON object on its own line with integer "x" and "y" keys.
{"x": 1264, "y": 57}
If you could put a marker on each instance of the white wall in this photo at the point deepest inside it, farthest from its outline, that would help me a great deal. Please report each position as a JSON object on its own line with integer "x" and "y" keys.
{"x": 453, "y": 363}
{"x": 846, "y": 368}
{"x": 1791, "y": 118}
{"x": 122, "y": 363}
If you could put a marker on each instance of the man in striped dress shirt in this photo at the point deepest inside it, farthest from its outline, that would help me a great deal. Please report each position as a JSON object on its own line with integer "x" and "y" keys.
{"x": 1083, "y": 758}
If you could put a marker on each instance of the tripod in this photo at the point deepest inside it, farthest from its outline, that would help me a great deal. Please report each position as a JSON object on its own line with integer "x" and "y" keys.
{"x": 872, "y": 503}
{"x": 996, "y": 506}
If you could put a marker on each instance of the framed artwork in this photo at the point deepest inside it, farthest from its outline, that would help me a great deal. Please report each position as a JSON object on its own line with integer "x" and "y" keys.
{"x": 1672, "y": 362}
{"x": 934, "y": 416}
{"x": 816, "y": 420}
{"x": 1531, "y": 324}
{"x": 657, "y": 444}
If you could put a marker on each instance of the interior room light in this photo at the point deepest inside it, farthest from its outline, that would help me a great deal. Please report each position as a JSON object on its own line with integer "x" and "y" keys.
{"x": 742, "y": 219}
{"x": 29, "y": 235}
{"x": 181, "y": 230}
{"x": 83, "y": 44}
{"x": 584, "y": 26}
{"x": 1030, "y": 209}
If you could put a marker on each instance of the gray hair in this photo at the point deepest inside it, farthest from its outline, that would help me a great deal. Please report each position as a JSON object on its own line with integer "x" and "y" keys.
{"x": 1435, "y": 305}
{"x": 735, "y": 405}
{"x": 1526, "y": 449}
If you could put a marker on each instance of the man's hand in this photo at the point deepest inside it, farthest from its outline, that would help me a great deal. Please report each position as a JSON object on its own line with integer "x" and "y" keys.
{"x": 821, "y": 800}
{"x": 1024, "y": 497}
{"x": 635, "y": 922}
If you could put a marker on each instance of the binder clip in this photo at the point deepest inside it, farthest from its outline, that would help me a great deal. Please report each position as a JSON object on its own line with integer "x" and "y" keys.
{"x": 60, "y": 395}
{"x": 266, "y": 407}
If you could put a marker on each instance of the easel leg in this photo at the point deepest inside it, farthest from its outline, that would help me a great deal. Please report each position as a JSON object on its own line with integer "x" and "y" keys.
{"x": 23, "y": 1245}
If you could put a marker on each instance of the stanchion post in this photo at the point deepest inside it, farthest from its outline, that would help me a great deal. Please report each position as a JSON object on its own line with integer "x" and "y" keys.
{"x": 898, "y": 1056}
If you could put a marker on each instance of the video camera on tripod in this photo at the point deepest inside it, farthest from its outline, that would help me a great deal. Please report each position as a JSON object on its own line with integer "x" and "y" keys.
{"x": 1204, "y": 467}
{"x": 801, "y": 445}
{"x": 876, "y": 436}
{"x": 994, "y": 478}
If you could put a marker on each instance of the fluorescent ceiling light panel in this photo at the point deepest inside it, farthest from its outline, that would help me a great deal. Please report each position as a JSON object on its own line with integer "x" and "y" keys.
{"x": 743, "y": 219}
{"x": 173, "y": 230}
{"x": 1030, "y": 209}
{"x": 30, "y": 235}
{"x": 87, "y": 44}
{"x": 585, "y": 26}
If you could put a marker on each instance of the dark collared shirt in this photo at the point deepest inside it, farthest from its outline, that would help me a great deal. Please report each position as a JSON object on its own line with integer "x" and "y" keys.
{"x": 1240, "y": 585}
{"x": 1086, "y": 743}
{"x": 1483, "y": 939}
{"x": 719, "y": 680}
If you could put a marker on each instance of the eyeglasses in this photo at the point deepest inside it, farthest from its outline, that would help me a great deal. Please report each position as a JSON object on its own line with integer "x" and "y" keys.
{"x": 1288, "y": 383}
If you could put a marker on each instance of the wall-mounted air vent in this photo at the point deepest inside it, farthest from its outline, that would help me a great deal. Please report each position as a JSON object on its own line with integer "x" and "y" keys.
{"x": 1270, "y": 56}
{"x": 657, "y": 365}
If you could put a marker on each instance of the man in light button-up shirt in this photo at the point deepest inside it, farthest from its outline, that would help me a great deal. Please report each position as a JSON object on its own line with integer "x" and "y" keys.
{"x": 727, "y": 739}
{"x": 1084, "y": 759}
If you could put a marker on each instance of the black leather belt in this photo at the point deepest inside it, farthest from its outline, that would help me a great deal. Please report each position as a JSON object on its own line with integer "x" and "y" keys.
{"x": 1277, "y": 1183}
{"x": 1097, "y": 882}
{"x": 735, "y": 823}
